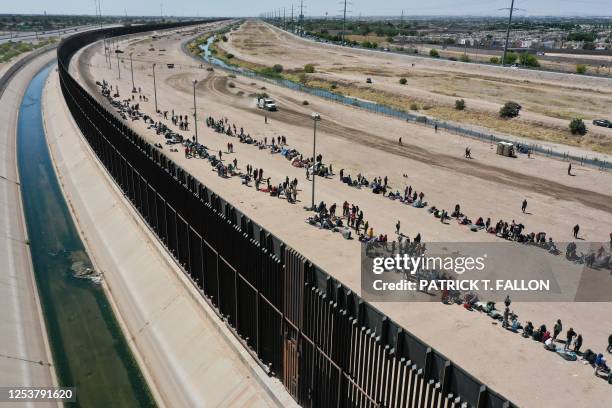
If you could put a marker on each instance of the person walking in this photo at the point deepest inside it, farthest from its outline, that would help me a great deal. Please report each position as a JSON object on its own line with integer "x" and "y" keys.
{"x": 609, "y": 344}
{"x": 524, "y": 206}
{"x": 397, "y": 227}
{"x": 568, "y": 338}
{"x": 576, "y": 230}
{"x": 569, "y": 169}
{"x": 557, "y": 329}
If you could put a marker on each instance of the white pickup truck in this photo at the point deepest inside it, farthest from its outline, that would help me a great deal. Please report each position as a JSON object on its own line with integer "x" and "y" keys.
{"x": 266, "y": 104}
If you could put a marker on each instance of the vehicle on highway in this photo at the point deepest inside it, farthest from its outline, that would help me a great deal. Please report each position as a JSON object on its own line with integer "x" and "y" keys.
{"x": 602, "y": 123}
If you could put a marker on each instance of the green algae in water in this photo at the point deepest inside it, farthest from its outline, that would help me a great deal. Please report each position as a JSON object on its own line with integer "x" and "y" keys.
{"x": 89, "y": 349}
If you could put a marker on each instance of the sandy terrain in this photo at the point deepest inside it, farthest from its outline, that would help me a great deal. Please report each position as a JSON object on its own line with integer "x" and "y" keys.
{"x": 25, "y": 357}
{"x": 357, "y": 141}
{"x": 186, "y": 353}
{"x": 549, "y": 100}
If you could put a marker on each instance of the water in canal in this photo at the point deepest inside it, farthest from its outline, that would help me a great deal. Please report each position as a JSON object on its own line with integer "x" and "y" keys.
{"x": 89, "y": 350}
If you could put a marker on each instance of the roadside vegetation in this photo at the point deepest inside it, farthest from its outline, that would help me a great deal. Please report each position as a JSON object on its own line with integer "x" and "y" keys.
{"x": 10, "y": 50}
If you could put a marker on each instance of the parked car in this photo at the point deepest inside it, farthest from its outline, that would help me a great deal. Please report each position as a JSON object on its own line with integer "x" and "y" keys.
{"x": 602, "y": 123}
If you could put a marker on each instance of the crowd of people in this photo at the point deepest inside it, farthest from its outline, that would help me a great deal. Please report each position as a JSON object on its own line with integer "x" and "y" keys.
{"x": 568, "y": 347}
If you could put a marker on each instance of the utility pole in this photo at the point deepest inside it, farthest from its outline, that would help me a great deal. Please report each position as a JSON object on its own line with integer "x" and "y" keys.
{"x": 118, "y": 66}
{"x": 132, "y": 69}
{"x": 292, "y": 24}
{"x": 345, "y": 2}
{"x": 503, "y": 62}
{"x": 154, "y": 89}
{"x": 301, "y": 16}
{"x": 195, "y": 111}
{"x": 284, "y": 21}
{"x": 315, "y": 118}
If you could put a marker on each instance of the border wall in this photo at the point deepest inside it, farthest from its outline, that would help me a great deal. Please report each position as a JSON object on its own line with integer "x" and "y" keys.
{"x": 327, "y": 346}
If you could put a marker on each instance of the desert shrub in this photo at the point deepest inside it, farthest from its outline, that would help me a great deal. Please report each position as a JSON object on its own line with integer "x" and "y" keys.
{"x": 581, "y": 69}
{"x": 305, "y": 102}
{"x": 210, "y": 69}
{"x": 452, "y": 59}
{"x": 224, "y": 38}
{"x": 302, "y": 78}
{"x": 494, "y": 60}
{"x": 511, "y": 58}
{"x": 309, "y": 68}
{"x": 278, "y": 68}
{"x": 577, "y": 127}
{"x": 333, "y": 85}
{"x": 434, "y": 53}
{"x": 231, "y": 85}
{"x": 403, "y": 81}
{"x": 510, "y": 110}
{"x": 229, "y": 55}
{"x": 464, "y": 58}
{"x": 232, "y": 75}
{"x": 414, "y": 106}
{"x": 528, "y": 60}
{"x": 460, "y": 104}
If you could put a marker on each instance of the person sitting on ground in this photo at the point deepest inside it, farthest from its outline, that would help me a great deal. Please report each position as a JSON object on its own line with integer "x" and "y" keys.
{"x": 528, "y": 330}
{"x": 600, "y": 364}
{"x": 550, "y": 345}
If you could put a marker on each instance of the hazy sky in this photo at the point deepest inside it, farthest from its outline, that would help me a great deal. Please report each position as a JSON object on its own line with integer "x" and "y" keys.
{"x": 312, "y": 7}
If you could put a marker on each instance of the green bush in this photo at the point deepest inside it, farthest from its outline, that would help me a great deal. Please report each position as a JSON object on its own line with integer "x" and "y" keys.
{"x": 403, "y": 81}
{"x": 229, "y": 55}
{"x": 278, "y": 68}
{"x": 511, "y": 58}
{"x": 528, "y": 60}
{"x": 510, "y": 110}
{"x": 577, "y": 127}
{"x": 309, "y": 68}
{"x": 494, "y": 60}
{"x": 581, "y": 69}
{"x": 333, "y": 85}
{"x": 460, "y": 104}
{"x": 434, "y": 53}
{"x": 464, "y": 58}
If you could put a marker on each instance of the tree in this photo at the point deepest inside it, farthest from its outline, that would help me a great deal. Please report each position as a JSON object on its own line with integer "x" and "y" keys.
{"x": 581, "y": 69}
{"x": 434, "y": 53}
{"x": 309, "y": 68}
{"x": 577, "y": 127}
{"x": 511, "y": 57}
{"x": 278, "y": 68}
{"x": 460, "y": 104}
{"x": 403, "y": 81}
{"x": 528, "y": 60}
{"x": 510, "y": 110}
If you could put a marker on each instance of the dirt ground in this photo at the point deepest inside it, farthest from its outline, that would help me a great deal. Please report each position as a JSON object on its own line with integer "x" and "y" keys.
{"x": 549, "y": 100}
{"x": 358, "y": 141}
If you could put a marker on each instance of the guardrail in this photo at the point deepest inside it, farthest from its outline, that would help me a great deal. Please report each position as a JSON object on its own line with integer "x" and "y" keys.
{"x": 328, "y": 346}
